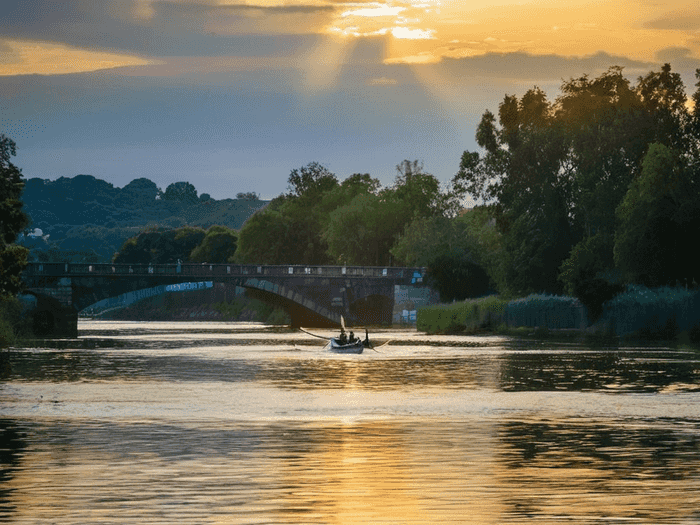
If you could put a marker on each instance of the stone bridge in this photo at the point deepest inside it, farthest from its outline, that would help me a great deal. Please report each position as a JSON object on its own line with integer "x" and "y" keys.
{"x": 313, "y": 295}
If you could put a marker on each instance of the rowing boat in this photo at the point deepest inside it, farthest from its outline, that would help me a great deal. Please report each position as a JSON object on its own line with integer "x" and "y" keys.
{"x": 356, "y": 347}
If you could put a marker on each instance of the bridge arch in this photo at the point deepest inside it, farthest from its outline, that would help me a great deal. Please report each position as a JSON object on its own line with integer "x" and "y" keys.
{"x": 313, "y": 295}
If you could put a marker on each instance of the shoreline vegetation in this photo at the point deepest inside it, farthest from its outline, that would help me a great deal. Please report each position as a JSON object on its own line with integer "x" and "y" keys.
{"x": 638, "y": 314}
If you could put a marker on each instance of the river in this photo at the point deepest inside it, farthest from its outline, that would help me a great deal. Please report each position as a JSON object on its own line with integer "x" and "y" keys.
{"x": 233, "y": 423}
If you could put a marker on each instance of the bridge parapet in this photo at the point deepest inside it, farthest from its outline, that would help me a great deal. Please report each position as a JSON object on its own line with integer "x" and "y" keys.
{"x": 201, "y": 271}
{"x": 311, "y": 294}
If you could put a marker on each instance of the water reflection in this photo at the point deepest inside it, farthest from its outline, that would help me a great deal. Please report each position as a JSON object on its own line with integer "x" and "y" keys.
{"x": 382, "y": 471}
{"x": 589, "y": 470}
{"x": 633, "y": 370}
{"x": 11, "y": 449}
{"x": 177, "y": 426}
{"x": 636, "y": 370}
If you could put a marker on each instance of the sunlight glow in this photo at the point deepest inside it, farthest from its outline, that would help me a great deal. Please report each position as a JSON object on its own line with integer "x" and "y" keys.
{"x": 41, "y": 58}
{"x": 413, "y": 34}
{"x": 383, "y": 10}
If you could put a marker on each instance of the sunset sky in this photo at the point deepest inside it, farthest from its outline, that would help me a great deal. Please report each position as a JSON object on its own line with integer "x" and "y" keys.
{"x": 232, "y": 94}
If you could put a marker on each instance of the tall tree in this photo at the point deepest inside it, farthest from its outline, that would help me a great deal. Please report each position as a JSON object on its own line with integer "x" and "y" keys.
{"x": 13, "y": 258}
{"x": 160, "y": 246}
{"x": 554, "y": 174}
{"x": 659, "y": 219}
{"x": 218, "y": 246}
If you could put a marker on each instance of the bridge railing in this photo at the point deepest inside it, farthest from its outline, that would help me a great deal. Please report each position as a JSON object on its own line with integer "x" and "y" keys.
{"x": 202, "y": 271}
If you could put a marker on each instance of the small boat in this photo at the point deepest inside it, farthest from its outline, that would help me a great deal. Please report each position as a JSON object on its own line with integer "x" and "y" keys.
{"x": 344, "y": 344}
{"x": 354, "y": 347}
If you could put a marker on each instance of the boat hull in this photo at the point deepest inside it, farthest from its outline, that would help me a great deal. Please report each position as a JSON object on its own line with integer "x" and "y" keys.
{"x": 352, "y": 348}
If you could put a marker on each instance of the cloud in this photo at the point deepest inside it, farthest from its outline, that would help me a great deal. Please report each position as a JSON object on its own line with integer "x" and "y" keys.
{"x": 412, "y": 34}
{"x": 165, "y": 28}
{"x": 679, "y": 56}
{"x": 525, "y": 66}
{"x": 687, "y": 20}
{"x": 27, "y": 58}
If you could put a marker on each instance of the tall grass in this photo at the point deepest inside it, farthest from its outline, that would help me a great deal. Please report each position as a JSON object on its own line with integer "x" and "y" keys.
{"x": 471, "y": 315}
{"x": 489, "y": 313}
{"x": 653, "y": 313}
{"x": 546, "y": 311}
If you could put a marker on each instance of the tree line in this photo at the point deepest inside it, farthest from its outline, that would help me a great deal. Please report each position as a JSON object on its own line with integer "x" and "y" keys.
{"x": 580, "y": 195}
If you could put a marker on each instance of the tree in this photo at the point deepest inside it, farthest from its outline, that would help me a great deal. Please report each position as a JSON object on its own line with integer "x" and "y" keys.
{"x": 456, "y": 276}
{"x": 218, "y": 246}
{"x": 310, "y": 181}
{"x": 160, "y": 246}
{"x": 182, "y": 192}
{"x": 13, "y": 258}
{"x": 363, "y": 231}
{"x": 142, "y": 191}
{"x": 554, "y": 174}
{"x": 447, "y": 247}
{"x": 264, "y": 238}
{"x": 248, "y": 196}
{"x": 659, "y": 221}
{"x": 522, "y": 178}
{"x": 587, "y": 273}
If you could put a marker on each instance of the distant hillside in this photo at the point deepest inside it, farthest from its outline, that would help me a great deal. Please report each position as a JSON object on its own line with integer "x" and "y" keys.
{"x": 85, "y": 218}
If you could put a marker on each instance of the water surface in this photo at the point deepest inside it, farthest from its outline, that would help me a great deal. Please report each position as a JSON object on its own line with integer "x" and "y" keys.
{"x": 242, "y": 423}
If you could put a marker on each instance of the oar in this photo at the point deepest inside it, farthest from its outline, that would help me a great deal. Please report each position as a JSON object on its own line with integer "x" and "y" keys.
{"x": 319, "y": 336}
{"x": 370, "y": 344}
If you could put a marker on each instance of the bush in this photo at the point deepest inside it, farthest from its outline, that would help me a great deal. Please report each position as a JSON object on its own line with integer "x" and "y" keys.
{"x": 653, "y": 313}
{"x": 471, "y": 315}
{"x": 546, "y": 311}
{"x": 10, "y": 320}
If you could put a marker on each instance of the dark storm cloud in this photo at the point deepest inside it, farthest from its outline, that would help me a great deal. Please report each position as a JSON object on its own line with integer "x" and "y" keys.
{"x": 173, "y": 30}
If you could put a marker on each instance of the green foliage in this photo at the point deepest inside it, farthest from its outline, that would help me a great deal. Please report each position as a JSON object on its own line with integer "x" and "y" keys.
{"x": 586, "y": 275}
{"x": 181, "y": 192}
{"x": 548, "y": 311}
{"x": 456, "y": 277}
{"x": 658, "y": 216}
{"x": 13, "y": 324}
{"x": 311, "y": 181}
{"x": 289, "y": 230}
{"x": 472, "y": 315}
{"x": 218, "y": 246}
{"x": 369, "y": 225}
{"x": 652, "y": 313}
{"x": 84, "y": 214}
{"x": 264, "y": 238}
{"x": 9, "y": 309}
{"x": 555, "y": 173}
{"x": 248, "y": 196}
{"x": 362, "y": 232}
{"x": 355, "y": 222}
{"x": 13, "y": 258}
{"x": 160, "y": 246}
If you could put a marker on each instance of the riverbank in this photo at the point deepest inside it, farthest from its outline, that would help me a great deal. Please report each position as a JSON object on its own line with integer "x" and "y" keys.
{"x": 639, "y": 314}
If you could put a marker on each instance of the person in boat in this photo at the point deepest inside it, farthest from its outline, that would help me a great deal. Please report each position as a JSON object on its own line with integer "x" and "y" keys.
{"x": 351, "y": 339}
{"x": 343, "y": 339}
